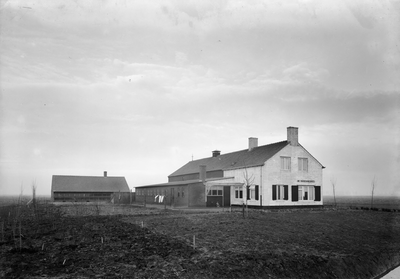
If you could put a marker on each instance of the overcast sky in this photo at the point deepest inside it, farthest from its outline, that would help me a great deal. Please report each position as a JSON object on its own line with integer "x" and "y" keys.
{"x": 139, "y": 87}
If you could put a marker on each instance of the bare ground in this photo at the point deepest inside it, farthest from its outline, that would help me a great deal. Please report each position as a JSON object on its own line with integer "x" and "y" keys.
{"x": 89, "y": 241}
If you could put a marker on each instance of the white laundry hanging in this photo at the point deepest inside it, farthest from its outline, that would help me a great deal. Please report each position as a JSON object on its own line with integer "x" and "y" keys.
{"x": 161, "y": 199}
{"x": 155, "y": 198}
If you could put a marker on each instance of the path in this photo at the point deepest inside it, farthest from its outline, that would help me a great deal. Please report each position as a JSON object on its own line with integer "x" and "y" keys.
{"x": 394, "y": 274}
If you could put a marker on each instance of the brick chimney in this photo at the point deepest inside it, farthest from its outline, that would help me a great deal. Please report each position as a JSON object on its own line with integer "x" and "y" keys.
{"x": 105, "y": 173}
{"x": 216, "y": 153}
{"x": 293, "y": 135}
{"x": 253, "y": 143}
{"x": 203, "y": 173}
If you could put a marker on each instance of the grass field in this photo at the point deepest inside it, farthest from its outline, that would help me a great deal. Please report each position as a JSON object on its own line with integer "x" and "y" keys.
{"x": 388, "y": 202}
{"x": 89, "y": 240}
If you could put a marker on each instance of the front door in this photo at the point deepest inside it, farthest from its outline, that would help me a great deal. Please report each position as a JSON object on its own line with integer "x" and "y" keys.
{"x": 227, "y": 196}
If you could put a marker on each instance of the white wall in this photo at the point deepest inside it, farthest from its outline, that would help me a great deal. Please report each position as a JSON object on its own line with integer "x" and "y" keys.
{"x": 254, "y": 175}
{"x": 274, "y": 175}
{"x": 271, "y": 174}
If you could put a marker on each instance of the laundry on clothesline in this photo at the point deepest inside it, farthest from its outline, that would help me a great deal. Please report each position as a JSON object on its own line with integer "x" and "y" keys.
{"x": 155, "y": 198}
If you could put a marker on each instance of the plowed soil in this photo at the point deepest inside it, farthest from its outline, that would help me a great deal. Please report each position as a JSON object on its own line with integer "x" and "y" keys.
{"x": 139, "y": 243}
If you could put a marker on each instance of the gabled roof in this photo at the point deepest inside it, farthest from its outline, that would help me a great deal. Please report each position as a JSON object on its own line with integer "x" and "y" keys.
{"x": 69, "y": 183}
{"x": 239, "y": 159}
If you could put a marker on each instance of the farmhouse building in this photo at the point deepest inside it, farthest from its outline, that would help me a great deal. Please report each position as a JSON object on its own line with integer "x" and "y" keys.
{"x": 274, "y": 175}
{"x": 86, "y": 188}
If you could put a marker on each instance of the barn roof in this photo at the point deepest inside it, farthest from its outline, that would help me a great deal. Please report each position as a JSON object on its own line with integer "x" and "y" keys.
{"x": 239, "y": 159}
{"x": 69, "y": 183}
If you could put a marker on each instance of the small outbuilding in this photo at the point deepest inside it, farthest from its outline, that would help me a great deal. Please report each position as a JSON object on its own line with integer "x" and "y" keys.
{"x": 86, "y": 188}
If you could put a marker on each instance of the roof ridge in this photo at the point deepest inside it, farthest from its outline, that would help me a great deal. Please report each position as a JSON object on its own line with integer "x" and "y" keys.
{"x": 256, "y": 156}
{"x": 89, "y": 176}
{"x": 246, "y": 149}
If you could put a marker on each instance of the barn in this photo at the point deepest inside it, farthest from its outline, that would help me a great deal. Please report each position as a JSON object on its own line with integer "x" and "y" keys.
{"x": 279, "y": 174}
{"x": 87, "y": 188}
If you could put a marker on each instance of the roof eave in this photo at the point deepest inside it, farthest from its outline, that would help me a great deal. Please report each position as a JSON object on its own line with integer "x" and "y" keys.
{"x": 312, "y": 156}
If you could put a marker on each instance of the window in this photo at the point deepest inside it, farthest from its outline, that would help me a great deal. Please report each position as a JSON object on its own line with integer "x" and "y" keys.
{"x": 280, "y": 192}
{"x": 306, "y": 193}
{"x": 215, "y": 191}
{"x": 238, "y": 193}
{"x": 254, "y": 192}
{"x": 285, "y": 163}
{"x": 303, "y": 164}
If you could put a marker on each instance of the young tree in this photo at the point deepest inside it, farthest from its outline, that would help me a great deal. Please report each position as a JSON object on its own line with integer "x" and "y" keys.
{"x": 20, "y": 194}
{"x": 333, "y": 182}
{"x": 34, "y": 197}
{"x": 373, "y": 184}
{"x": 248, "y": 181}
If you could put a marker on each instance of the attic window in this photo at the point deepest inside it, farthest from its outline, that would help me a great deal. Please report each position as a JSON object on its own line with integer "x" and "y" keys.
{"x": 303, "y": 164}
{"x": 285, "y": 163}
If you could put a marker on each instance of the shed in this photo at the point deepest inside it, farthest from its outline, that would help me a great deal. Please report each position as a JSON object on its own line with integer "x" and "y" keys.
{"x": 86, "y": 188}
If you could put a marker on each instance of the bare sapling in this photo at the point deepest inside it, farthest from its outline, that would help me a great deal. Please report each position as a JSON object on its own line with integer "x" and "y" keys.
{"x": 248, "y": 182}
{"x": 373, "y": 184}
{"x": 16, "y": 217}
{"x": 34, "y": 197}
{"x": 333, "y": 182}
{"x": 20, "y": 194}
{"x": 18, "y": 209}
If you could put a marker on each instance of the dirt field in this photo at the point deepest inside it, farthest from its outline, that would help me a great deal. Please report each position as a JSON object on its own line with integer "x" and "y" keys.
{"x": 89, "y": 241}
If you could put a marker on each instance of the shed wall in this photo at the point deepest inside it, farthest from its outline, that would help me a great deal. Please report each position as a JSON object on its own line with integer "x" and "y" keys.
{"x": 175, "y": 195}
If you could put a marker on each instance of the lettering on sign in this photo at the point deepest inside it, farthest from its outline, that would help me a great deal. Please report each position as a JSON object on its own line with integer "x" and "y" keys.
{"x": 307, "y": 181}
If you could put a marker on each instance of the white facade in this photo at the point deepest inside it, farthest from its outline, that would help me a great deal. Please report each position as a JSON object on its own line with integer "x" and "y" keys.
{"x": 305, "y": 180}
